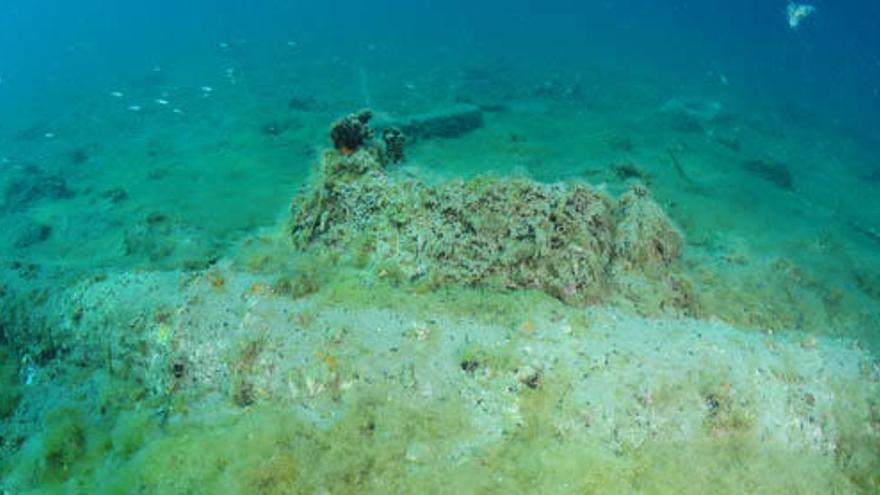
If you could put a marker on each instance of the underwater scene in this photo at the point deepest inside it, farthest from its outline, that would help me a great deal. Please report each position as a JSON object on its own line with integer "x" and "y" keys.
{"x": 459, "y": 247}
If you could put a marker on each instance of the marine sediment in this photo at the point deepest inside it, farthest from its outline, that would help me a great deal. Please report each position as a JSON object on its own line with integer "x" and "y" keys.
{"x": 166, "y": 387}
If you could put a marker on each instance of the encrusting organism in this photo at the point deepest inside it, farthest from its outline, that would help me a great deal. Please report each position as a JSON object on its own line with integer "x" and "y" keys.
{"x": 394, "y": 143}
{"x": 351, "y": 132}
{"x": 569, "y": 240}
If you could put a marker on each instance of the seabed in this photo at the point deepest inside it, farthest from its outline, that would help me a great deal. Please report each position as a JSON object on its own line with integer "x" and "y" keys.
{"x": 586, "y": 285}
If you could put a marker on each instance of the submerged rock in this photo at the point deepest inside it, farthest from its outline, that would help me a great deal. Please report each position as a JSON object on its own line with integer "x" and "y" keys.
{"x": 567, "y": 239}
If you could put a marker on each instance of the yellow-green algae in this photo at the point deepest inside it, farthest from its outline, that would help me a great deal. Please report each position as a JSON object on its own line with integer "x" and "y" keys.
{"x": 388, "y": 442}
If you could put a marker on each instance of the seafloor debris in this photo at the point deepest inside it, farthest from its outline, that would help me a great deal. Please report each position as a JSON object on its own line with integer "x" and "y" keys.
{"x": 872, "y": 176}
{"x": 469, "y": 365}
{"x": 34, "y": 234}
{"x": 568, "y": 239}
{"x": 772, "y": 171}
{"x": 276, "y": 128}
{"x": 730, "y": 142}
{"x": 79, "y": 156}
{"x": 34, "y": 184}
{"x": 679, "y": 169}
{"x": 693, "y": 116}
{"x": 868, "y": 282}
{"x": 450, "y": 122}
{"x": 558, "y": 88}
{"x": 394, "y": 142}
{"x": 628, "y": 170}
{"x": 115, "y": 195}
{"x": 351, "y": 132}
{"x": 301, "y": 104}
{"x": 620, "y": 142}
{"x": 164, "y": 241}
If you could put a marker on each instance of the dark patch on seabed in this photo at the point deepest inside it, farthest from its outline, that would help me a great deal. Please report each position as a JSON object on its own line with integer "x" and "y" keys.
{"x": 775, "y": 172}
{"x": 32, "y": 184}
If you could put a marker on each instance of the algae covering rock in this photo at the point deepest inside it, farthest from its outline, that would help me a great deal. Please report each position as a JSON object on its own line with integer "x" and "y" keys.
{"x": 644, "y": 234}
{"x": 352, "y": 132}
{"x": 569, "y": 240}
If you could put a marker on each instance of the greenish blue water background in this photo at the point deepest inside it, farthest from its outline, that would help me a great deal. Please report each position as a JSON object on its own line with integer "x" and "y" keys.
{"x": 54, "y": 49}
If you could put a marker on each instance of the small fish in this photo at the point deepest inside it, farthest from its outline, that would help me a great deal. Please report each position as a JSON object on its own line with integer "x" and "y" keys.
{"x": 177, "y": 111}
{"x": 207, "y": 89}
{"x": 224, "y": 45}
{"x": 30, "y": 375}
{"x": 135, "y": 108}
{"x": 49, "y": 135}
{"x": 292, "y": 44}
{"x": 161, "y": 101}
{"x": 116, "y": 94}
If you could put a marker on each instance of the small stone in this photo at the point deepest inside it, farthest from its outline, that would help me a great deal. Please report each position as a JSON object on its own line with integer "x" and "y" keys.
{"x": 470, "y": 365}
{"x": 809, "y": 342}
{"x": 530, "y": 377}
{"x": 115, "y": 195}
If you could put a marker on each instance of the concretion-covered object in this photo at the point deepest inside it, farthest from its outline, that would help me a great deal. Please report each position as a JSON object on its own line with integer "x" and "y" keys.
{"x": 395, "y": 141}
{"x": 567, "y": 239}
{"x": 450, "y": 122}
{"x": 351, "y": 132}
